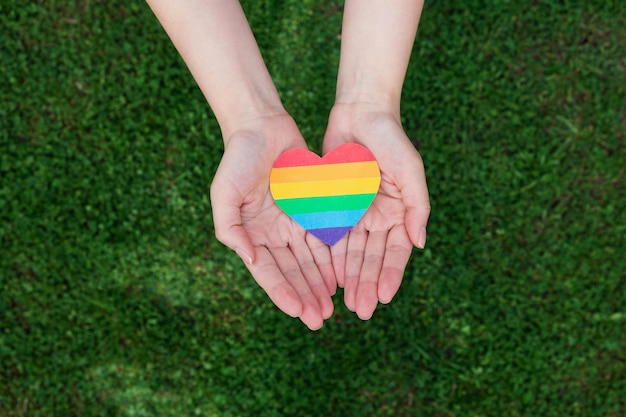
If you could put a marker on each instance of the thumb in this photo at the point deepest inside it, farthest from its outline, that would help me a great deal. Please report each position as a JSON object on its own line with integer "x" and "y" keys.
{"x": 226, "y": 205}
{"x": 415, "y": 197}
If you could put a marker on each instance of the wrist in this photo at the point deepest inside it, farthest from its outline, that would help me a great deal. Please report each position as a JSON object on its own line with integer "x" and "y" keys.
{"x": 252, "y": 107}
{"x": 357, "y": 103}
{"x": 376, "y": 44}
{"x": 368, "y": 90}
{"x": 374, "y": 101}
{"x": 275, "y": 133}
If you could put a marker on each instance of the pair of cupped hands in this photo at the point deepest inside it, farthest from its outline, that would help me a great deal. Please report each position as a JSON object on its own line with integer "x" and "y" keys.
{"x": 298, "y": 272}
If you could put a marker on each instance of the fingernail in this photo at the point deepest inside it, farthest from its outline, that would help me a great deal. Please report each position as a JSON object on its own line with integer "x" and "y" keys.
{"x": 244, "y": 256}
{"x": 421, "y": 238}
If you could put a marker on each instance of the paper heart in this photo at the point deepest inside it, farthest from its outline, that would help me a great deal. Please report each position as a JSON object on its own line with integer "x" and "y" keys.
{"x": 326, "y": 196}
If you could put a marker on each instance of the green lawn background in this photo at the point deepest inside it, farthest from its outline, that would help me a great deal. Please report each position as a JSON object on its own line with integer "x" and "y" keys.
{"x": 116, "y": 299}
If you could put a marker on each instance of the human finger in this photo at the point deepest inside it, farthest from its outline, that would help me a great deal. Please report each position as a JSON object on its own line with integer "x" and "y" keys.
{"x": 397, "y": 253}
{"x": 311, "y": 313}
{"x": 321, "y": 255}
{"x": 367, "y": 291}
{"x": 338, "y": 256}
{"x": 270, "y": 278}
{"x": 226, "y": 205}
{"x": 357, "y": 239}
{"x": 414, "y": 190}
{"x": 313, "y": 276}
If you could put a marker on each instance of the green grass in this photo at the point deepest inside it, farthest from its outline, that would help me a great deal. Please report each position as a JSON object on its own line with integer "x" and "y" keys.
{"x": 116, "y": 299}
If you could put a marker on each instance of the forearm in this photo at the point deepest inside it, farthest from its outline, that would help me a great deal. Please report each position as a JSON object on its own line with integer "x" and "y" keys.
{"x": 215, "y": 41}
{"x": 376, "y": 44}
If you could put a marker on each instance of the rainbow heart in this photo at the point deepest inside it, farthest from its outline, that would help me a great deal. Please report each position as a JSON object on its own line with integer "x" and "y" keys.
{"x": 326, "y": 196}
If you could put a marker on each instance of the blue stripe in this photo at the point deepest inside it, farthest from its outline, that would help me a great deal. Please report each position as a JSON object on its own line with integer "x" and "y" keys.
{"x": 327, "y": 219}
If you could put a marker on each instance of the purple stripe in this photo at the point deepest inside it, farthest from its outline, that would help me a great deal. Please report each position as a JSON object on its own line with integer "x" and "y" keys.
{"x": 330, "y": 235}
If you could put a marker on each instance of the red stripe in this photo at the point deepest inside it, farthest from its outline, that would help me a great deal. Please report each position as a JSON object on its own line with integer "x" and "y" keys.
{"x": 348, "y": 152}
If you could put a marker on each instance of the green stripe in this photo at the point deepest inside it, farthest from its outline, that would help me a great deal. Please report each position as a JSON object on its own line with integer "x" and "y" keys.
{"x": 319, "y": 204}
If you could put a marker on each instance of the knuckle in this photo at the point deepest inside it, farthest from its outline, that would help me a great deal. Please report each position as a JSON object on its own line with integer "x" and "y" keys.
{"x": 221, "y": 234}
{"x": 400, "y": 249}
{"x": 373, "y": 259}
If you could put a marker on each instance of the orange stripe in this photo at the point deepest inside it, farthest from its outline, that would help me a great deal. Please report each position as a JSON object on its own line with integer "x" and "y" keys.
{"x": 325, "y": 172}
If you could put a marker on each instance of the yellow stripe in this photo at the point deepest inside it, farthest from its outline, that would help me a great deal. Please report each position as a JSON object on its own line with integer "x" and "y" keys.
{"x": 324, "y": 188}
{"x": 325, "y": 172}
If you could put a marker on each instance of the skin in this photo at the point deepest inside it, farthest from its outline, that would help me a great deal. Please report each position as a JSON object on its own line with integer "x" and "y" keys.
{"x": 293, "y": 269}
{"x": 216, "y": 43}
{"x": 297, "y": 271}
{"x": 377, "y": 40}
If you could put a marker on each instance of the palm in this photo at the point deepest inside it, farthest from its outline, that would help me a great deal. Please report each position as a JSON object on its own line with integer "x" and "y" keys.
{"x": 387, "y": 209}
{"x": 267, "y": 225}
